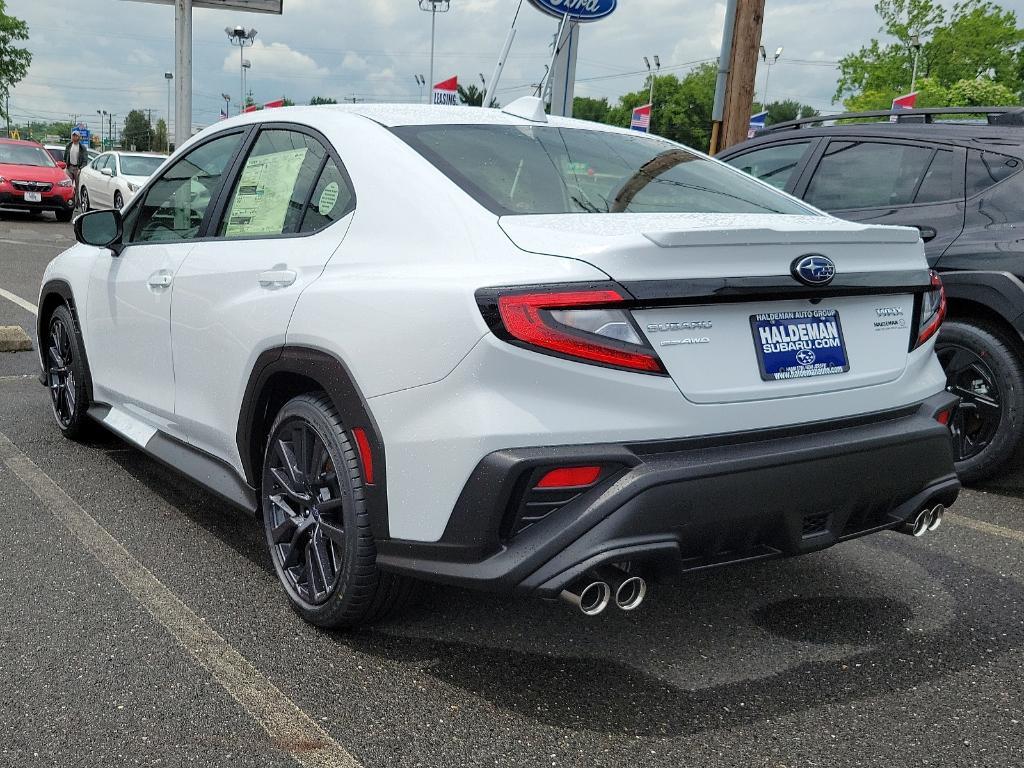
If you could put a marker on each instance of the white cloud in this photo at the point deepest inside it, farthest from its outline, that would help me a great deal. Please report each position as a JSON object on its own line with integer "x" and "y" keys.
{"x": 276, "y": 61}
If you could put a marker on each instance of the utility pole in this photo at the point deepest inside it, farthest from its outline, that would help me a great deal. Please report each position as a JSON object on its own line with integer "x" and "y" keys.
{"x": 915, "y": 43}
{"x": 168, "y": 76}
{"x": 435, "y": 7}
{"x": 737, "y": 70}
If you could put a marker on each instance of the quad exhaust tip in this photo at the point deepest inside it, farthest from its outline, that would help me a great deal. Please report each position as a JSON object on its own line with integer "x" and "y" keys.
{"x": 597, "y": 589}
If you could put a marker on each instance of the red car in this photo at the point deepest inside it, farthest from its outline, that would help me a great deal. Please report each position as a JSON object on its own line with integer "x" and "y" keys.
{"x": 30, "y": 180}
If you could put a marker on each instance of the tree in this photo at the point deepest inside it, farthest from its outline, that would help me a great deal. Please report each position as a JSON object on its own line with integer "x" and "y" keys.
{"x": 14, "y": 61}
{"x": 595, "y": 110}
{"x": 287, "y": 102}
{"x": 317, "y": 101}
{"x": 472, "y": 96}
{"x": 782, "y": 111}
{"x": 979, "y": 39}
{"x": 137, "y": 132}
{"x": 160, "y": 135}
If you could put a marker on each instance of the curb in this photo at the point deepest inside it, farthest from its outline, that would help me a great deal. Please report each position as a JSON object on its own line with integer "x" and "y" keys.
{"x": 14, "y": 339}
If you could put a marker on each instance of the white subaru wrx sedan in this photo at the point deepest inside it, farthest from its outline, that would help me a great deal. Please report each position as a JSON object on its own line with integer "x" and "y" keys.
{"x": 504, "y": 351}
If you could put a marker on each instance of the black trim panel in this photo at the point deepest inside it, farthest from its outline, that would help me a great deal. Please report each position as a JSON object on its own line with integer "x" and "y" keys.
{"x": 332, "y": 376}
{"x": 62, "y": 289}
{"x": 1001, "y": 292}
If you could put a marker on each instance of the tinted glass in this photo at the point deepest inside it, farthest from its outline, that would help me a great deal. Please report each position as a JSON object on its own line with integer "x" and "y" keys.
{"x": 332, "y": 200}
{"x": 176, "y": 203}
{"x": 938, "y": 181}
{"x": 867, "y": 175}
{"x": 987, "y": 168}
{"x": 25, "y": 154}
{"x": 772, "y": 164}
{"x": 537, "y": 170}
{"x": 270, "y": 195}
{"x": 140, "y": 166}
{"x": 100, "y": 162}
{"x": 56, "y": 154}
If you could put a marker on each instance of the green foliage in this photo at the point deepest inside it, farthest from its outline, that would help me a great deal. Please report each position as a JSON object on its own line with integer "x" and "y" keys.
{"x": 782, "y": 111}
{"x": 287, "y": 102}
{"x": 317, "y": 101}
{"x": 586, "y": 108}
{"x": 978, "y": 39}
{"x": 137, "y": 132}
{"x": 472, "y": 96}
{"x": 981, "y": 93}
{"x": 160, "y": 141}
{"x": 14, "y": 61}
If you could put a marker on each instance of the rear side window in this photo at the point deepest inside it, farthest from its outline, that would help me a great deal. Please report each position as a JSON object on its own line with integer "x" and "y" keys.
{"x": 985, "y": 169}
{"x": 273, "y": 189}
{"x": 774, "y": 165}
{"x": 547, "y": 169}
{"x": 332, "y": 199}
{"x": 937, "y": 184}
{"x": 860, "y": 174}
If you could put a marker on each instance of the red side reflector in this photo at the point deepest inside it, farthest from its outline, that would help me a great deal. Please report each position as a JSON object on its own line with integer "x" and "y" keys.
{"x": 365, "y": 454}
{"x": 943, "y": 417}
{"x": 570, "y": 477}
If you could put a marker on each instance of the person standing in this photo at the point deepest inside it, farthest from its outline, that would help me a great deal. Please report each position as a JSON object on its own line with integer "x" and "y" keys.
{"x": 76, "y": 158}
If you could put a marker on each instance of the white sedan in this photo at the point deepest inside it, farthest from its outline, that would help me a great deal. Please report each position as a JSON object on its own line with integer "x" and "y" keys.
{"x": 113, "y": 178}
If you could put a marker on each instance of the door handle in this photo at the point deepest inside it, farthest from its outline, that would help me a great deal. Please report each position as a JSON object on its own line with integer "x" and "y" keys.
{"x": 277, "y": 278}
{"x": 160, "y": 280}
{"x": 927, "y": 233}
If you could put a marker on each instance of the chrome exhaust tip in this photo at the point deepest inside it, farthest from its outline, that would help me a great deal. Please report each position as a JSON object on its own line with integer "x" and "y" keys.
{"x": 935, "y": 517}
{"x": 918, "y": 527}
{"x": 628, "y": 589}
{"x": 591, "y": 597}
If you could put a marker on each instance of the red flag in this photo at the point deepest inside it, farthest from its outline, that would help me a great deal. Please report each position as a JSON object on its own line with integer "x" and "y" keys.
{"x": 251, "y": 108}
{"x": 446, "y": 92}
{"x": 905, "y": 102}
{"x": 274, "y": 104}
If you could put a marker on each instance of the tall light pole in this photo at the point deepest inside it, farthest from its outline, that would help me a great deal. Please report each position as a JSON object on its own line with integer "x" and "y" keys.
{"x": 243, "y": 38}
{"x": 110, "y": 129}
{"x": 102, "y": 113}
{"x": 246, "y": 66}
{"x": 768, "y": 64}
{"x": 657, "y": 68}
{"x": 420, "y": 81}
{"x": 915, "y": 43}
{"x": 434, "y": 7}
{"x": 227, "y": 104}
{"x": 168, "y": 76}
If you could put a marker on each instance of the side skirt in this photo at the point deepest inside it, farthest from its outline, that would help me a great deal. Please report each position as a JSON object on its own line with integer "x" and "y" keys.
{"x": 213, "y": 474}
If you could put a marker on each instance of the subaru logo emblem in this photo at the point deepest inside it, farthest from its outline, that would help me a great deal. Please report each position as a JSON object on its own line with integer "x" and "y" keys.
{"x": 814, "y": 269}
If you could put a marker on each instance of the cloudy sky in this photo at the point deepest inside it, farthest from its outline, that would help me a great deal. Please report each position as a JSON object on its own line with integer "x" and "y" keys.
{"x": 111, "y": 54}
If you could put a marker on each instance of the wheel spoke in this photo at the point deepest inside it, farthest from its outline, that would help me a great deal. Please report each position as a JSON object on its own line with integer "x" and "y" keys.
{"x": 321, "y": 565}
{"x": 69, "y": 395}
{"x": 287, "y": 455}
{"x": 333, "y": 532}
{"x": 284, "y": 532}
{"x": 332, "y": 505}
{"x": 284, "y": 481}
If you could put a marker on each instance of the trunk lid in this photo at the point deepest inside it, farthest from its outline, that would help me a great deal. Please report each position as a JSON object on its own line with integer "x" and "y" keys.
{"x": 745, "y": 348}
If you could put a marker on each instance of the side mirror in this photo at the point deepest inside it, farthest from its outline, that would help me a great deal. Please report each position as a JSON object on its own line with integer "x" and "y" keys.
{"x": 62, "y": 165}
{"x": 107, "y": 171}
{"x": 102, "y": 229}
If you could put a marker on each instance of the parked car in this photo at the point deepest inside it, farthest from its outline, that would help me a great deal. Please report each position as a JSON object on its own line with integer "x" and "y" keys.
{"x": 113, "y": 178}
{"x": 30, "y": 180}
{"x": 502, "y": 350}
{"x": 57, "y": 152}
{"x": 959, "y": 184}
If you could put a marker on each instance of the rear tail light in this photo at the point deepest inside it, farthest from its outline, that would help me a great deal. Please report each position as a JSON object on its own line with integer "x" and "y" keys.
{"x": 933, "y": 311}
{"x": 592, "y": 326}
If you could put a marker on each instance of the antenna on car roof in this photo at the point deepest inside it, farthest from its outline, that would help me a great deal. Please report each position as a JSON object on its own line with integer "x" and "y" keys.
{"x": 529, "y": 108}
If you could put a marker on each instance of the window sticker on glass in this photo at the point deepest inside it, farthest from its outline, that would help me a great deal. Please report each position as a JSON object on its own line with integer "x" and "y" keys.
{"x": 264, "y": 193}
{"x": 328, "y": 199}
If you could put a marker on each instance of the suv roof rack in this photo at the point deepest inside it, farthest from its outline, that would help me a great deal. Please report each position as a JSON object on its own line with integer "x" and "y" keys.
{"x": 994, "y": 115}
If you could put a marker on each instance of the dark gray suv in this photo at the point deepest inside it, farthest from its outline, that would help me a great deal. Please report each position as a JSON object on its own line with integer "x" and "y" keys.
{"x": 958, "y": 181}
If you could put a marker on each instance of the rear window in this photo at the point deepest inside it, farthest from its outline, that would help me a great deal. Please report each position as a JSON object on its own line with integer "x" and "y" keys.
{"x": 542, "y": 170}
{"x": 23, "y": 154}
{"x": 986, "y": 169}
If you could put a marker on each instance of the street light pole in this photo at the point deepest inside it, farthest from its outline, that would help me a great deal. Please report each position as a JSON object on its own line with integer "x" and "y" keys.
{"x": 653, "y": 73}
{"x": 768, "y": 71}
{"x": 420, "y": 81}
{"x": 246, "y": 66}
{"x": 168, "y": 76}
{"x": 227, "y": 104}
{"x": 243, "y": 38}
{"x": 915, "y": 43}
{"x": 102, "y": 113}
{"x": 434, "y": 7}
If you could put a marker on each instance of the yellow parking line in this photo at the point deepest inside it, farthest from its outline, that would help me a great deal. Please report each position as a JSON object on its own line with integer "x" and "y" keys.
{"x": 20, "y": 301}
{"x": 289, "y": 728}
{"x": 978, "y": 525}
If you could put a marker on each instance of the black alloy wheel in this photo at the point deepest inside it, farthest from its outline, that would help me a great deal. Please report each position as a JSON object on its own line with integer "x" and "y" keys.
{"x": 118, "y": 201}
{"x": 306, "y": 528}
{"x": 985, "y": 371}
{"x": 83, "y": 200}
{"x": 316, "y": 520}
{"x": 66, "y": 373}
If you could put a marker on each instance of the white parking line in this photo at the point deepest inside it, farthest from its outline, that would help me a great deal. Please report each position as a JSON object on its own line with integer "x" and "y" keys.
{"x": 289, "y": 728}
{"x": 19, "y": 301}
{"x": 979, "y": 525}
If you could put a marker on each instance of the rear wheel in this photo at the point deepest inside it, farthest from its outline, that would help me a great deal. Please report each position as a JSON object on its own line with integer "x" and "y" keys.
{"x": 118, "y": 201}
{"x": 984, "y": 369}
{"x": 316, "y": 521}
{"x": 66, "y": 374}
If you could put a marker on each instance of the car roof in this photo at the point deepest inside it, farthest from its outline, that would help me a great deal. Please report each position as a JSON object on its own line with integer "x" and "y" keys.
{"x": 21, "y": 142}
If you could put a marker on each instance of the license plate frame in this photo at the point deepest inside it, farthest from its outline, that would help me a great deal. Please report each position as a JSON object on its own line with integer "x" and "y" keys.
{"x": 33, "y": 197}
{"x": 818, "y": 351}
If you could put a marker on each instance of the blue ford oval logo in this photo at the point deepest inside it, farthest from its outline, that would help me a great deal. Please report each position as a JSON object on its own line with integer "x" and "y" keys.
{"x": 578, "y": 10}
{"x": 814, "y": 269}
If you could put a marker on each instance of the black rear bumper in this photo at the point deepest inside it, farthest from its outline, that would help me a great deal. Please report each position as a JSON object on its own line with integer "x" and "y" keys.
{"x": 691, "y": 504}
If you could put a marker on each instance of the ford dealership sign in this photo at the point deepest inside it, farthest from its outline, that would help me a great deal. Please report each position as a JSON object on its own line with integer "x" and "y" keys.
{"x": 578, "y": 10}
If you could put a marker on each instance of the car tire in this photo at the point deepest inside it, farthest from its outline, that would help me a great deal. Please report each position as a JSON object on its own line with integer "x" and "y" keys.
{"x": 984, "y": 368}
{"x": 67, "y": 374}
{"x": 316, "y": 521}
{"x": 83, "y": 200}
{"x": 118, "y": 201}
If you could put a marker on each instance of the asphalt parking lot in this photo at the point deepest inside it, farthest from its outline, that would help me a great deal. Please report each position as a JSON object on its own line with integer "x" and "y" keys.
{"x": 141, "y": 624}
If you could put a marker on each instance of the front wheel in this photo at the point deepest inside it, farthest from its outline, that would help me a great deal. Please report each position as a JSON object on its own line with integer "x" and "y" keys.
{"x": 316, "y": 521}
{"x": 66, "y": 374}
{"x": 83, "y": 198}
{"x": 985, "y": 371}
{"x": 118, "y": 201}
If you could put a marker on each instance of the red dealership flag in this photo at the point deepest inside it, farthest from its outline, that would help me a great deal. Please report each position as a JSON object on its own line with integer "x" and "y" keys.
{"x": 274, "y": 104}
{"x": 641, "y": 119}
{"x": 903, "y": 102}
{"x": 250, "y": 108}
{"x": 447, "y": 92}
